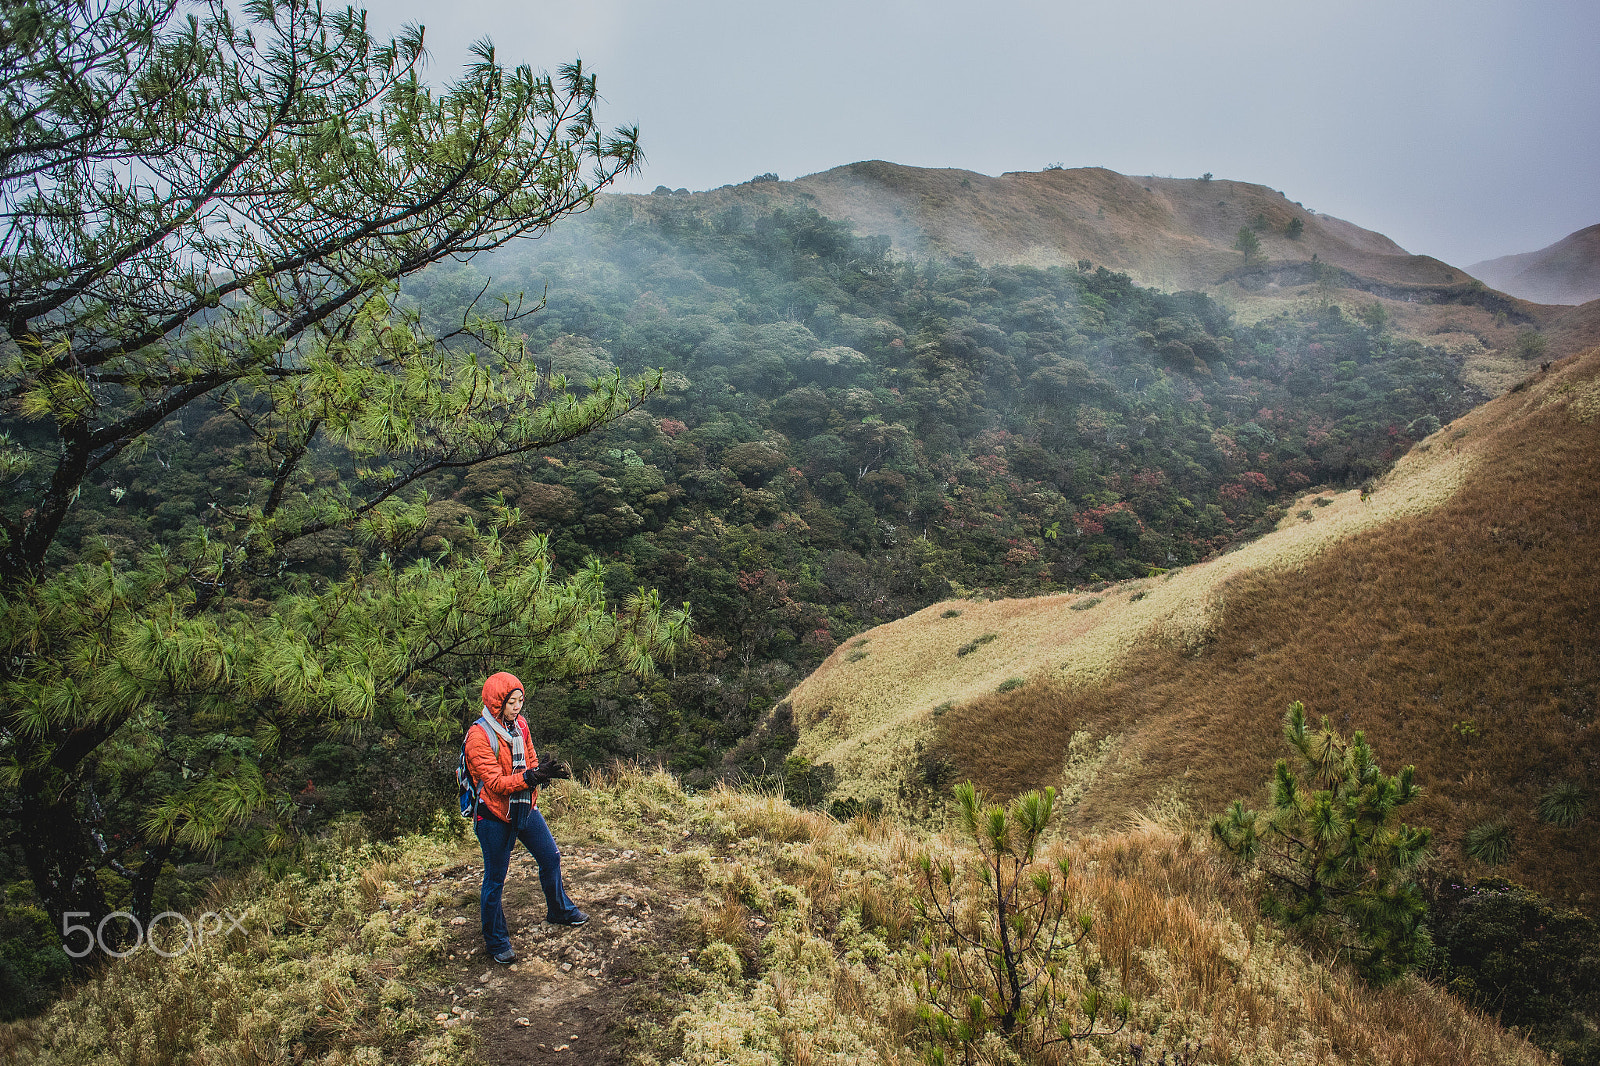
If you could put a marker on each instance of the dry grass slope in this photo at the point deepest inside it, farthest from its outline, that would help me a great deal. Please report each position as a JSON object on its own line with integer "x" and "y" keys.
{"x": 792, "y": 940}
{"x": 321, "y": 972}
{"x": 809, "y": 932}
{"x": 1170, "y": 232}
{"x": 1455, "y": 616}
{"x": 866, "y": 713}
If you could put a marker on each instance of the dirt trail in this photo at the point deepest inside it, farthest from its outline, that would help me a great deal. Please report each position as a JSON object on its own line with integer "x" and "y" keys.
{"x": 571, "y": 995}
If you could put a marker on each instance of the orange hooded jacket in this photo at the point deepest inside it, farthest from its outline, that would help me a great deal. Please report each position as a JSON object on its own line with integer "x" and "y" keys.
{"x": 497, "y": 781}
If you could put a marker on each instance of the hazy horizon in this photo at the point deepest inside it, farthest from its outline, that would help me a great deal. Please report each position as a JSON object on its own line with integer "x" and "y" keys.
{"x": 1465, "y": 130}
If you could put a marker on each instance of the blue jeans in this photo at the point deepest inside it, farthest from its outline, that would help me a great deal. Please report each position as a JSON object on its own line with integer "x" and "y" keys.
{"x": 498, "y": 839}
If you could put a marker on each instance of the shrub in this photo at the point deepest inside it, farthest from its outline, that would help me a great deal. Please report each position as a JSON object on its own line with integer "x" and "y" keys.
{"x": 973, "y": 645}
{"x": 951, "y": 613}
{"x": 1530, "y": 344}
{"x": 848, "y": 807}
{"x": 1338, "y": 862}
{"x": 32, "y": 965}
{"x": 1505, "y": 949}
{"x": 1084, "y": 605}
{"x": 1011, "y": 683}
{"x": 806, "y": 784}
{"x": 995, "y": 936}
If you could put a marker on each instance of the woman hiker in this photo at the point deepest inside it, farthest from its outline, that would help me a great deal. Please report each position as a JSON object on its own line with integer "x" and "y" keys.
{"x": 502, "y": 762}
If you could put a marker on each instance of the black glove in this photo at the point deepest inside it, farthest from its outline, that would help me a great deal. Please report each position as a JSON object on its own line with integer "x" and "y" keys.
{"x": 535, "y": 776}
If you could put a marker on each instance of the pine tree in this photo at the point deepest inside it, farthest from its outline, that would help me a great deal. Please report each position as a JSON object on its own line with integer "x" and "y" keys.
{"x": 1248, "y": 244}
{"x": 997, "y": 932}
{"x": 206, "y": 218}
{"x": 1339, "y": 864}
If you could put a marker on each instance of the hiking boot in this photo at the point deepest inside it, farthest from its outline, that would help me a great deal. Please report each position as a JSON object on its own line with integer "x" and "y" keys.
{"x": 571, "y": 921}
{"x": 506, "y": 957}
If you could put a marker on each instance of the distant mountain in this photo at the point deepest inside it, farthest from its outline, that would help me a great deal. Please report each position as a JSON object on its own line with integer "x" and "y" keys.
{"x": 1172, "y": 233}
{"x": 1567, "y": 272}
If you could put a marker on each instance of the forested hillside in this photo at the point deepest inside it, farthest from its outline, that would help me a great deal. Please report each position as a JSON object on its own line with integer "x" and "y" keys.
{"x": 846, "y": 437}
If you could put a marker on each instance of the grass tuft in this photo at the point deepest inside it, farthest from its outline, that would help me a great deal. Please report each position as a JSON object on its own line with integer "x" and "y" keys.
{"x": 1563, "y": 805}
{"x": 973, "y": 645}
{"x": 1491, "y": 843}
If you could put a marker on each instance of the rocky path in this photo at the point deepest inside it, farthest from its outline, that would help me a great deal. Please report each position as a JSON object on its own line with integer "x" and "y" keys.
{"x": 572, "y": 994}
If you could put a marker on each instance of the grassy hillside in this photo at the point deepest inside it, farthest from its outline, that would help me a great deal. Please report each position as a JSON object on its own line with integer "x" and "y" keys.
{"x": 1168, "y": 232}
{"x": 1454, "y": 615}
{"x": 729, "y": 928}
{"x": 1574, "y": 329}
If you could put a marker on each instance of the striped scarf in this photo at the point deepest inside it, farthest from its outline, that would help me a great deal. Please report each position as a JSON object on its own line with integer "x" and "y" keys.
{"x": 519, "y": 752}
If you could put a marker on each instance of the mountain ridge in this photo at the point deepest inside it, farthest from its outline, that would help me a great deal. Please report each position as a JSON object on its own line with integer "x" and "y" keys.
{"x": 1566, "y": 272}
{"x": 1164, "y": 232}
{"x": 1176, "y": 234}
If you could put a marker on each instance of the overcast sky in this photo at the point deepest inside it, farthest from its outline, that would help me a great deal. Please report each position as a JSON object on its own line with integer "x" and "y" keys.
{"x": 1463, "y": 129}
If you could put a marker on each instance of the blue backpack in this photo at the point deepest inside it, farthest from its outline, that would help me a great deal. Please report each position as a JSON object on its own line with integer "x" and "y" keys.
{"x": 467, "y": 787}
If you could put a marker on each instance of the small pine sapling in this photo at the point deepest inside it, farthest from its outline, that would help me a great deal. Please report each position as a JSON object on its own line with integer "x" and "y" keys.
{"x": 1249, "y": 245}
{"x": 1338, "y": 863}
{"x": 996, "y": 934}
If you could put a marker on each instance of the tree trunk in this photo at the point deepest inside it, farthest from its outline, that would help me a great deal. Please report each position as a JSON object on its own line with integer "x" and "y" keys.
{"x": 62, "y": 859}
{"x": 144, "y": 882}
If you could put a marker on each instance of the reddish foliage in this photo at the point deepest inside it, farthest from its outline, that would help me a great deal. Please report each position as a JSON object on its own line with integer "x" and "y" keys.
{"x": 1256, "y": 480}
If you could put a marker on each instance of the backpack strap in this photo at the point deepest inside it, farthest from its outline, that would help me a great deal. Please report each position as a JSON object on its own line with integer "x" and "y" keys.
{"x": 494, "y": 738}
{"x": 494, "y": 743}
